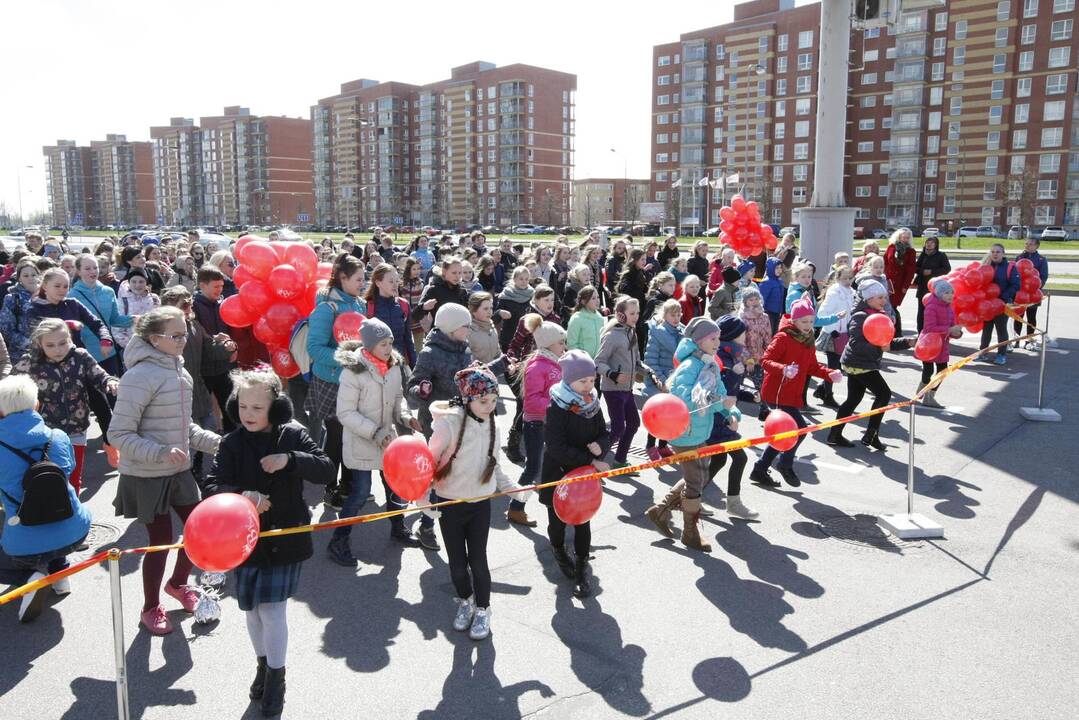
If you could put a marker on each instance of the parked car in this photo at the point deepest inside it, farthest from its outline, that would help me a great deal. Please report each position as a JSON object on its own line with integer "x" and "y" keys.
{"x": 931, "y": 232}
{"x": 789, "y": 229}
{"x": 879, "y": 234}
{"x": 967, "y": 231}
{"x": 711, "y": 232}
{"x": 1018, "y": 232}
{"x": 524, "y": 229}
{"x": 988, "y": 231}
{"x": 1054, "y": 232}
{"x": 859, "y": 233}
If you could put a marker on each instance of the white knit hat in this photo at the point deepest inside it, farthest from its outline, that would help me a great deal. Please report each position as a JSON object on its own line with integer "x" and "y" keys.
{"x": 452, "y": 316}
{"x": 548, "y": 334}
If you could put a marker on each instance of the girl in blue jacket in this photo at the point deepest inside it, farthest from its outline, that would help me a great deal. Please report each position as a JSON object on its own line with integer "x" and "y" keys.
{"x": 664, "y": 334}
{"x": 773, "y": 292}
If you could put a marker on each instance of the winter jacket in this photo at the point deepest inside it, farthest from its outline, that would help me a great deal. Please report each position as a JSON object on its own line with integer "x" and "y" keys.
{"x": 15, "y": 321}
{"x": 772, "y": 289}
{"x": 523, "y": 344}
{"x": 179, "y": 278}
{"x": 517, "y": 310}
{"x": 865, "y": 275}
{"x": 26, "y": 431}
{"x": 656, "y": 298}
{"x": 723, "y": 301}
{"x": 1041, "y": 264}
{"x": 321, "y": 344}
{"x": 618, "y": 353}
{"x": 389, "y": 311}
{"x": 715, "y": 275}
{"x": 698, "y": 266}
{"x": 838, "y": 299}
{"x": 541, "y": 374}
{"x": 691, "y": 307}
{"x": 62, "y": 388}
{"x": 939, "y": 319}
{"x": 614, "y": 271}
{"x": 937, "y": 263}
{"x": 369, "y": 406}
{"x": 425, "y": 258}
{"x": 463, "y": 479}
{"x": 782, "y": 351}
{"x": 697, "y": 382}
{"x": 483, "y": 341}
{"x": 665, "y": 256}
{"x": 859, "y": 352}
{"x": 1007, "y": 279}
{"x": 494, "y": 281}
{"x": 68, "y": 309}
{"x": 153, "y": 414}
{"x": 663, "y": 339}
{"x": 201, "y": 351}
{"x": 901, "y": 274}
{"x": 237, "y": 468}
{"x": 101, "y": 301}
{"x": 412, "y": 291}
{"x": 133, "y": 306}
{"x": 566, "y": 436}
{"x": 583, "y": 331}
{"x": 730, "y": 355}
{"x": 795, "y": 293}
{"x": 635, "y": 284}
{"x": 439, "y": 359}
{"x": 442, "y": 293}
{"x": 569, "y": 299}
{"x": 758, "y": 333}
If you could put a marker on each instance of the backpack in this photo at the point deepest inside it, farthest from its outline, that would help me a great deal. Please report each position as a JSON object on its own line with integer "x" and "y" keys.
{"x": 297, "y": 344}
{"x": 45, "y": 496}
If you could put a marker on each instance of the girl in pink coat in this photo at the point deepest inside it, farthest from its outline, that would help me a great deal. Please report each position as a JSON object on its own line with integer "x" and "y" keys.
{"x": 939, "y": 320}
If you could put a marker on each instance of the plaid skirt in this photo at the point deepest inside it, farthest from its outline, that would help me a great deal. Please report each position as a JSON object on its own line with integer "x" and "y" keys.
{"x": 321, "y": 401}
{"x": 255, "y": 585}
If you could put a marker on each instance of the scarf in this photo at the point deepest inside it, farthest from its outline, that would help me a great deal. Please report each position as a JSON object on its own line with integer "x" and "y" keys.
{"x": 382, "y": 366}
{"x": 572, "y": 401}
{"x": 806, "y": 338}
{"x": 482, "y": 325}
{"x": 545, "y": 352}
{"x": 512, "y": 294}
{"x": 704, "y": 390}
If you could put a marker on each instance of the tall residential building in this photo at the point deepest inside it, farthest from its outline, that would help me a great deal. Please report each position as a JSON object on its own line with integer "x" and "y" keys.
{"x": 234, "y": 168}
{"x": 488, "y": 146}
{"x": 123, "y": 175}
{"x": 602, "y": 201}
{"x": 70, "y": 184}
{"x": 959, "y": 113}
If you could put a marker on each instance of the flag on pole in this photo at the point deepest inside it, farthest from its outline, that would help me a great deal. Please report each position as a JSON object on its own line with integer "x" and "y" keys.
{"x": 676, "y": 184}
{"x": 732, "y": 179}
{"x": 703, "y": 181}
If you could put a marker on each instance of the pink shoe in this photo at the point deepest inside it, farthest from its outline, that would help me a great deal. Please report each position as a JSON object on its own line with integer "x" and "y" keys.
{"x": 185, "y": 594}
{"x": 653, "y": 454}
{"x": 156, "y": 621}
{"x": 666, "y": 451}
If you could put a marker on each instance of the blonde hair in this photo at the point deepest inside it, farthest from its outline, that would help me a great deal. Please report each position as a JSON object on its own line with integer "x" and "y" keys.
{"x": 661, "y": 279}
{"x": 51, "y": 274}
{"x": 801, "y": 266}
{"x": 622, "y": 304}
{"x": 18, "y": 393}
{"x": 153, "y": 322}
{"x": 247, "y": 379}
{"x": 531, "y": 322}
{"x": 691, "y": 280}
{"x": 46, "y": 327}
{"x": 668, "y": 306}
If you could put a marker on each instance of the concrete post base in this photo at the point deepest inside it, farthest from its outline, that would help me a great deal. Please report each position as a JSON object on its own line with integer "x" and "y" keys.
{"x": 1039, "y": 414}
{"x": 910, "y": 527}
{"x": 824, "y": 232}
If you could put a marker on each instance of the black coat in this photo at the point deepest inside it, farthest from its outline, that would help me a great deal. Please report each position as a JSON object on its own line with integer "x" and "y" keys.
{"x": 442, "y": 293}
{"x": 237, "y": 468}
{"x": 565, "y": 436}
{"x": 859, "y": 352}
{"x": 937, "y": 263}
{"x": 698, "y": 266}
{"x": 665, "y": 256}
{"x": 508, "y": 326}
{"x": 614, "y": 270}
{"x": 635, "y": 284}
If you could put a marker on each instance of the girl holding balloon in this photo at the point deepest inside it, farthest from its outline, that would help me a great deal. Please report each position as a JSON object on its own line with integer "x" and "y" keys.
{"x": 1005, "y": 277}
{"x": 938, "y": 326}
{"x": 267, "y": 459}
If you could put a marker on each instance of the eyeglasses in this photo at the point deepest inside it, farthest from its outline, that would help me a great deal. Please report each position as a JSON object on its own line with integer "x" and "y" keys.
{"x": 178, "y": 338}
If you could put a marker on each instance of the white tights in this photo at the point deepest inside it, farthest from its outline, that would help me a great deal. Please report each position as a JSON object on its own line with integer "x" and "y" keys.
{"x": 267, "y": 625}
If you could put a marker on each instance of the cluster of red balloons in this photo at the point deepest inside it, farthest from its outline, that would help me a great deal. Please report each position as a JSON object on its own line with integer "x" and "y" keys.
{"x": 742, "y": 229}
{"x": 277, "y": 284}
{"x": 977, "y": 297}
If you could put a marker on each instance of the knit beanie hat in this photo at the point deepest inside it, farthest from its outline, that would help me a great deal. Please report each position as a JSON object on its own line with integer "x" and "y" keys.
{"x": 137, "y": 272}
{"x": 803, "y": 307}
{"x": 701, "y": 327}
{"x": 747, "y": 266}
{"x": 475, "y": 381}
{"x": 942, "y": 286}
{"x": 373, "y": 331}
{"x": 576, "y": 365}
{"x": 548, "y": 334}
{"x": 452, "y": 316}
{"x": 869, "y": 289}
{"x": 730, "y": 327}
{"x": 731, "y": 275}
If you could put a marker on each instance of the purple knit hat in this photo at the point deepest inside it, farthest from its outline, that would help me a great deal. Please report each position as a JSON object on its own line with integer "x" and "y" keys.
{"x": 475, "y": 381}
{"x": 576, "y": 365}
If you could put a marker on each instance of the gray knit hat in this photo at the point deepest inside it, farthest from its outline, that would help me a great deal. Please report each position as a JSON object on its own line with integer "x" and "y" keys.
{"x": 701, "y": 327}
{"x": 869, "y": 289}
{"x": 373, "y": 331}
{"x": 942, "y": 286}
{"x": 452, "y": 316}
{"x": 576, "y": 365}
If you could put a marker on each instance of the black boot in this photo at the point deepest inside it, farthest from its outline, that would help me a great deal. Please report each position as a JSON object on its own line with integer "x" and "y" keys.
{"x": 872, "y": 439}
{"x": 565, "y": 562}
{"x": 273, "y": 696}
{"x": 835, "y": 437}
{"x": 583, "y": 588}
{"x": 789, "y": 477}
{"x": 513, "y": 448}
{"x": 827, "y": 398}
{"x": 260, "y": 680}
{"x": 760, "y": 475}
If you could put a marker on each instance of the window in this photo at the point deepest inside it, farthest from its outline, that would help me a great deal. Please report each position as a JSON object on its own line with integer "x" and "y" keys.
{"x": 1001, "y": 38}
{"x": 1026, "y": 61}
{"x": 1052, "y": 137}
{"x": 929, "y": 192}
{"x": 1060, "y": 6}
{"x": 801, "y": 106}
{"x": 870, "y": 56}
{"x": 805, "y": 39}
{"x": 996, "y": 112}
{"x": 992, "y": 163}
{"x": 777, "y": 173}
{"x": 1053, "y": 111}
{"x": 934, "y": 121}
{"x": 781, "y": 86}
{"x": 864, "y": 169}
{"x": 1060, "y": 30}
{"x": 1056, "y": 84}
{"x": 937, "y": 71}
{"x": 1022, "y": 87}
{"x": 1045, "y": 214}
{"x": 781, "y": 65}
{"x": 664, "y": 60}
{"x": 663, "y": 100}
{"x": 940, "y": 45}
{"x": 868, "y": 101}
{"x": 1004, "y": 10}
{"x": 1022, "y": 113}
{"x": 865, "y": 146}
{"x": 798, "y": 194}
{"x": 1049, "y": 163}
{"x": 802, "y": 85}
{"x": 956, "y": 105}
{"x": 867, "y": 124}
{"x": 930, "y": 168}
{"x": 949, "y": 180}
{"x": 996, "y": 91}
{"x": 781, "y": 108}
{"x": 886, "y": 123}
{"x": 1030, "y": 8}
{"x": 1047, "y": 189}
{"x": 1059, "y": 56}
{"x": 1019, "y": 142}
{"x": 805, "y": 61}
{"x": 953, "y": 130}
{"x": 992, "y": 140}
{"x": 863, "y": 191}
{"x": 999, "y": 62}
{"x": 801, "y": 151}
{"x": 801, "y": 173}
{"x": 661, "y": 138}
{"x": 989, "y": 190}
{"x": 868, "y": 78}
{"x": 780, "y": 131}
{"x": 762, "y": 45}
{"x": 1029, "y": 33}
{"x": 661, "y": 158}
{"x": 949, "y": 204}
{"x": 661, "y": 195}
{"x": 778, "y": 152}
{"x": 959, "y": 55}
{"x": 801, "y": 129}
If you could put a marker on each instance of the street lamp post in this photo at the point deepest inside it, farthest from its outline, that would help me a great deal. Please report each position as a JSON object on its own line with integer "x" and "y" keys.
{"x": 18, "y": 174}
{"x": 625, "y": 185}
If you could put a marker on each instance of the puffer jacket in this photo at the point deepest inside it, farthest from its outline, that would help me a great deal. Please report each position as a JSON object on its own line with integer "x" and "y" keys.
{"x": 724, "y": 301}
{"x": 133, "y": 305}
{"x": 541, "y": 374}
{"x": 859, "y": 352}
{"x": 838, "y": 299}
{"x": 523, "y": 344}
{"x": 583, "y": 331}
{"x": 438, "y": 361}
{"x": 321, "y": 344}
{"x": 483, "y": 341}
{"x": 26, "y": 431}
{"x": 1006, "y": 278}
{"x": 663, "y": 339}
{"x": 62, "y": 387}
{"x": 618, "y": 353}
{"x": 936, "y": 263}
{"x": 463, "y": 479}
{"x": 697, "y": 382}
{"x": 939, "y": 319}
{"x": 369, "y": 406}
{"x": 772, "y": 289}
{"x": 101, "y": 301}
{"x": 15, "y": 320}
{"x": 153, "y": 414}
{"x": 782, "y": 351}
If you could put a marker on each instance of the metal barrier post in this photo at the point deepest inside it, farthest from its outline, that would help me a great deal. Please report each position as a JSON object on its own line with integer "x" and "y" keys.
{"x": 910, "y": 525}
{"x": 123, "y": 710}
{"x": 1042, "y": 413}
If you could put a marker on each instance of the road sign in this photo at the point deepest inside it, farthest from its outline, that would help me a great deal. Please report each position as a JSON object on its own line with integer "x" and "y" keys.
{"x": 303, "y": 217}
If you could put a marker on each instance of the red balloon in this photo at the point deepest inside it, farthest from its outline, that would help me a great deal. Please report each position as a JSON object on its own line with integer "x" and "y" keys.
{"x": 282, "y": 317}
{"x": 1030, "y": 283}
{"x": 960, "y": 286}
{"x": 235, "y": 313}
{"x": 257, "y": 297}
{"x": 280, "y": 247}
{"x": 1036, "y": 297}
{"x": 780, "y": 422}
{"x": 985, "y": 310}
{"x": 267, "y": 336}
{"x": 996, "y": 307}
{"x": 975, "y": 327}
{"x": 738, "y": 204}
{"x": 727, "y": 226}
{"x": 237, "y": 249}
{"x": 967, "y": 318}
{"x": 665, "y": 416}
{"x": 325, "y": 270}
{"x": 286, "y": 282}
{"x": 1022, "y": 298}
{"x": 283, "y": 364}
{"x": 771, "y": 242}
{"x": 879, "y": 330}
{"x": 576, "y": 503}
{"x": 726, "y": 213}
{"x": 347, "y": 326}
{"x": 304, "y": 259}
{"x": 408, "y": 466}
{"x": 973, "y": 278}
{"x": 241, "y": 276}
{"x": 929, "y": 346}
{"x": 221, "y": 532}
{"x": 259, "y": 257}
{"x": 1024, "y": 266}
{"x": 987, "y": 273}
{"x": 992, "y": 291}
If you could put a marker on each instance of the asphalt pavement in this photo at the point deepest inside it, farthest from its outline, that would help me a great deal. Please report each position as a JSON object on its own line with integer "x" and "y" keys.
{"x": 811, "y": 610}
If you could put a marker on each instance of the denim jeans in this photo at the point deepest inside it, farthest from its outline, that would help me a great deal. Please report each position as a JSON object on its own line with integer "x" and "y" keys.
{"x": 357, "y": 498}
{"x": 533, "y": 436}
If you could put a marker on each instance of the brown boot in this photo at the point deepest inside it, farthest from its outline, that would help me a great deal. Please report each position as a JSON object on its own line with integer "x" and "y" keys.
{"x": 520, "y": 517}
{"x": 660, "y": 513}
{"x": 691, "y": 536}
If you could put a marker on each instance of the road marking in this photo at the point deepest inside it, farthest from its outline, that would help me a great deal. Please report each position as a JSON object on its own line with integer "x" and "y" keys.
{"x": 849, "y": 469}
{"x": 1002, "y": 373}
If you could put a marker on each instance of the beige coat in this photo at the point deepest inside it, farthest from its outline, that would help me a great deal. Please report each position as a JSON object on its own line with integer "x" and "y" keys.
{"x": 483, "y": 341}
{"x": 153, "y": 414}
{"x": 369, "y": 406}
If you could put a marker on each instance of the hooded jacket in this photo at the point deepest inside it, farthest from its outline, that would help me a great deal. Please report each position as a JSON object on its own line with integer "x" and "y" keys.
{"x": 463, "y": 480}
{"x": 772, "y": 289}
{"x": 838, "y": 299}
{"x": 442, "y": 293}
{"x": 153, "y": 413}
{"x": 15, "y": 320}
{"x": 133, "y": 305}
{"x": 1007, "y": 279}
{"x": 582, "y": 332}
{"x": 618, "y": 353}
{"x": 101, "y": 301}
{"x": 783, "y": 351}
{"x": 659, "y": 351}
{"x": 321, "y": 344}
{"x": 939, "y": 318}
{"x": 697, "y": 382}
{"x": 369, "y": 406}
{"x": 483, "y": 341}
{"x": 69, "y": 309}
{"x": 900, "y": 270}
{"x": 438, "y": 361}
{"x": 541, "y": 374}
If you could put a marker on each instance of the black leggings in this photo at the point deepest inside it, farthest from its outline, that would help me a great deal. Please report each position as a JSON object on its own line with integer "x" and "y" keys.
{"x": 734, "y": 476}
{"x": 1000, "y": 322}
{"x": 556, "y": 532}
{"x": 465, "y": 527}
{"x": 101, "y": 406}
{"x": 651, "y": 441}
{"x": 857, "y": 384}
{"x": 774, "y": 319}
{"x": 221, "y": 387}
{"x": 333, "y": 442}
{"x": 928, "y": 370}
{"x": 1032, "y": 318}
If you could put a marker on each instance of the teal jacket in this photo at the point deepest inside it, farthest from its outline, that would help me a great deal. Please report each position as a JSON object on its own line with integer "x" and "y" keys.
{"x": 321, "y": 344}
{"x": 101, "y": 301}
{"x": 583, "y": 330}
{"x": 693, "y": 370}
{"x": 795, "y": 292}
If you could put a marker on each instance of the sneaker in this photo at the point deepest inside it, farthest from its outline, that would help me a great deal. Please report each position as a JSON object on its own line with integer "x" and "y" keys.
{"x": 333, "y": 499}
{"x": 156, "y": 621}
{"x": 403, "y": 535}
{"x": 735, "y": 508}
{"x": 666, "y": 451}
{"x": 62, "y": 586}
{"x": 1030, "y": 345}
{"x": 33, "y": 602}
{"x": 1000, "y": 359}
{"x": 112, "y": 455}
{"x": 706, "y": 512}
{"x": 340, "y": 552}
{"x": 186, "y": 594}
{"x": 481, "y": 624}
{"x": 788, "y": 476}
{"x": 465, "y": 610}
{"x": 428, "y": 540}
{"x": 986, "y": 358}
{"x": 760, "y": 475}
{"x": 653, "y": 454}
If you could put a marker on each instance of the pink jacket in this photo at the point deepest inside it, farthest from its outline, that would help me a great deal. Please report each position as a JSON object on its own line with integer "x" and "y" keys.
{"x": 541, "y": 374}
{"x": 758, "y": 333}
{"x": 939, "y": 318}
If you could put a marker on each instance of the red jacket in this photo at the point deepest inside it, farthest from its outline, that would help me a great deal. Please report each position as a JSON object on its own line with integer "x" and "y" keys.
{"x": 901, "y": 275}
{"x": 782, "y": 351}
{"x": 691, "y": 307}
